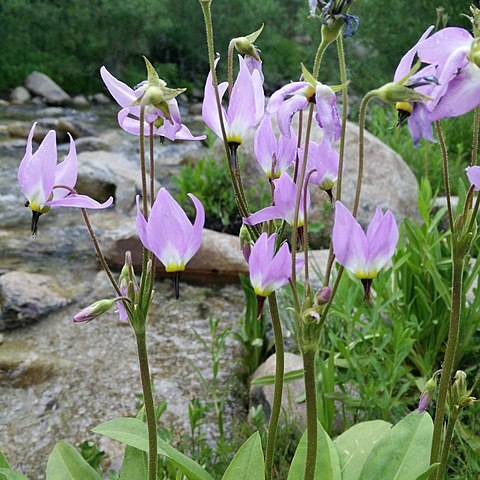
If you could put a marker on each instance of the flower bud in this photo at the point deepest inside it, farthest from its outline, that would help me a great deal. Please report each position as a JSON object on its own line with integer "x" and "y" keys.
{"x": 427, "y": 394}
{"x": 243, "y": 45}
{"x": 94, "y": 310}
{"x": 459, "y": 392}
{"x": 245, "y": 242}
{"x": 475, "y": 19}
{"x": 323, "y": 295}
{"x": 311, "y": 316}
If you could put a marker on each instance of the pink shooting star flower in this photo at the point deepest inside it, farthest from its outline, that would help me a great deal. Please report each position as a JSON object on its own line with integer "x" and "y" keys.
{"x": 169, "y": 126}
{"x": 274, "y": 156}
{"x": 284, "y": 208}
{"x": 169, "y": 234}
{"x": 245, "y": 107}
{"x": 364, "y": 255}
{"x": 269, "y": 271}
{"x": 324, "y": 159}
{"x": 297, "y": 96}
{"x": 47, "y": 184}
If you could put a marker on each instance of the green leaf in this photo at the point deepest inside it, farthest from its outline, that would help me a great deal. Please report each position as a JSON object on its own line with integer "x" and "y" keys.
{"x": 253, "y": 36}
{"x": 248, "y": 462}
{"x": 134, "y": 466}
{"x": 3, "y": 461}
{"x": 133, "y": 432}
{"x": 65, "y": 463}
{"x": 327, "y": 464}
{"x": 354, "y": 446}
{"x": 8, "y": 474}
{"x": 270, "y": 379}
{"x": 425, "y": 475}
{"x": 404, "y": 452}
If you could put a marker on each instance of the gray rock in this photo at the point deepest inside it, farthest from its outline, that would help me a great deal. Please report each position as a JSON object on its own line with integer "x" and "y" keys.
{"x": 43, "y": 86}
{"x": 80, "y": 101}
{"x": 75, "y": 128}
{"x": 4, "y": 103}
{"x": 27, "y": 297}
{"x": 20, "y": 95}
{"x": 195, "y": 109}
{"x": 10, "y": 148}
{"x": 90, "y": 144}
{"x": 293, "y": 410}
{"x": 50, "y": 112}
{"x": 103, "y": 174}
{"x": 100, "y": 98}
{"x": 388, "y": 182}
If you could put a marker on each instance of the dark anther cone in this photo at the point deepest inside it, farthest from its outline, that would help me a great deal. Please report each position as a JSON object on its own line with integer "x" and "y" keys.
{"x": 330, "y": 195}
{"x": 176, "y": 284}
{"x": 35, "y": 217}
{"x": 367, "y": 282}
{"x": 260, "y": 303}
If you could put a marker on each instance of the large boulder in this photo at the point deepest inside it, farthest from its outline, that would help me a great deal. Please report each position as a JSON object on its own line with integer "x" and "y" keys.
{"x": 27, "y": 297}
{"x": 20, "y": 95}
{"x": 388, "y": 182}
{"x": 43, "y": 86}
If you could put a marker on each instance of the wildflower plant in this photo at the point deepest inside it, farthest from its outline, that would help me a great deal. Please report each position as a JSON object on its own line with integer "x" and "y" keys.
{"x": 436, "y": 79}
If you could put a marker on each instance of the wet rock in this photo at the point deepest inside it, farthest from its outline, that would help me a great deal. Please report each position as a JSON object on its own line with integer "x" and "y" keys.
{"x": 19, "y": 129}
{"x": 80, "y": 101}
{"x": 12, "y": 148}
{"x": 27, "y": 297}
{"x": 4, "y": 103}
{"x": 20, "y": 95}
{"x": 43, "y": 86}
{"x": 75, "y": 128}
{"x": 21, "y": 367}
{"x": 90, "y": 144}
{"x": 103, "y": 174}
{"x": 51, "y": 112}
{"x": 292, "y": 408}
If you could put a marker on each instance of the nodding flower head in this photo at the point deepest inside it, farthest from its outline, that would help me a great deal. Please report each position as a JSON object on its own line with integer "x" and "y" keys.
{"x": 334, "y": 16}
{"x": 47, "y": 184}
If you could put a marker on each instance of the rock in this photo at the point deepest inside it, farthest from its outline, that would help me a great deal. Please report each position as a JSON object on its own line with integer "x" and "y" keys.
{"x": 12, "y": 148}
{"x": 388, "y": 182}
{"x": 195, "y": 109}
{"x": 26, "y": 297}
{"x": 76, "y": 129}
{"x": 90, "y": 144}
{"x": 21, "y": 367}
{"x": 42, "y": 85}
{"x": 218, "y": 260}
{"x": 3, "y": 132}
{"x": 3, "y": 103}
{"x": 100, "y": 98}
{"x": 50, "y": 112}
{"x": 20, "y": 95}
{"x": 292, "y": 410}
{"x": 103, "y": 174}
{"x": 19, "y": 129}
{"x": 80, "y": 101}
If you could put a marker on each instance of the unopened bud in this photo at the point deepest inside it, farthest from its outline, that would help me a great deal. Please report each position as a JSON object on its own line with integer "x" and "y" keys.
{"x": 245, "y": 242}
{"x": 311, "y": 316}
{"x": 94, "y": 310}
{"x": 323, "y": 295}
{"x": 243, "y": 45}
{"x": 427, "y": 394}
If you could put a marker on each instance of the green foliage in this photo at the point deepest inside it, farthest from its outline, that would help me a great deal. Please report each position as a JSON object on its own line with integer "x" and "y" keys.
{"x": 247, "y": 464}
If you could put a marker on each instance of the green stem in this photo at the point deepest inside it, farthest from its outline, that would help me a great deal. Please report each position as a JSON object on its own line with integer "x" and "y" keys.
{"x": 278, "y": 387}
{"x": 448, "y": 363}
{"x": 231, "y": 46}
{"x": 152, "y": 167}
{"x": 476, "y": 122}
{"x": 446, "y": 443}
{"x": 311, "y": 400}
{"x": 149, "y": 403}
{"x": 446, "y": 176}
{"x": 318, "y": 58}
{"x": 338, "y": 194}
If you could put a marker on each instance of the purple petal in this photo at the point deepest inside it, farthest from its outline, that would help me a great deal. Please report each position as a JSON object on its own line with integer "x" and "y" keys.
{"x": 462, "y": 95}
{"x": 285, "y": 199}
{"x": 287, "y": 110}
{"x": 264, "y": 215}
{"x": 131, "y": 125}
{"x": 312, "y": 5}
{"x": 278, "y": 97}
{"x": 209, "y": 106}
{"x": 142, "y": 226}
{"x": 420, "y": 124}
{"x": 349, "y": 241}
{"x": 265, "y": 145}
{"x": 122, "y": 93}
{"x": 195, "y": 239}
{"x": 406, "y": 62}
{"x": 382, "y": 238}
{"x": 278, "y": 271}
{"x": 79, "y": 201}
{"x": 183, "y": 134}
{"x": 473, "y": 174}
{"x": 442, "y": 44}
{"x": 327, "y": 114}
{"x": 66, "y": 172}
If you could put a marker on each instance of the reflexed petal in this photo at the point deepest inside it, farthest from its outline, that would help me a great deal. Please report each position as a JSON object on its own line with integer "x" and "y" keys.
{"x": 463, "y": 94}
{"x": 442, "y": 44}
{"x": 327, "y": 114}
{"x": 66, "y": 172}
{"x": 473, "y": 174}
{"x": 406, "y": 62}
{"x": 382, "y": 238}
{"x": 129, "y": 124}
{"x": 349, "y": 241}
{"x": 259, "y": 256}
{"x": 183, "y": 134}
{"x": 278, "y": 271}
{"x": 209, "y": 106}
{"x": 264, "y": 215}
{"x": 142, "y": 226}
{"x": 278, "y": 97}
{"x": 420, "y": 124}
{"x": 79, "y": 201}
{"x": 287, "y": 110}
{"x": 265, "y": 144}
{"x": 285, "y": 199}
{"x": 122, "y": 93}
{"x": 286, "y": 151}
{"x": 312, "y": 5}
{"x": 195, "y": 239}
